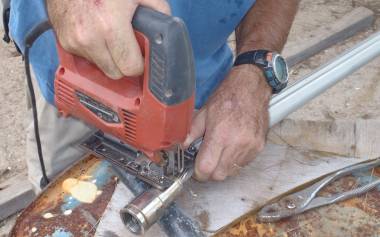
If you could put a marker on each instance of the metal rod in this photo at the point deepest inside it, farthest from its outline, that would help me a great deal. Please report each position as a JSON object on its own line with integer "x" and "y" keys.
{"x": 323, "y": 78}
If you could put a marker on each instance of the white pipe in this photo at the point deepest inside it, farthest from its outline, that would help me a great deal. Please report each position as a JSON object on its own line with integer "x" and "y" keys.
{"x": 323, "y": 78}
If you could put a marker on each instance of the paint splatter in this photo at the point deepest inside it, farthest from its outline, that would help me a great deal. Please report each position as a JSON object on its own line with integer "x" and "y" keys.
{"x": 83, "y": 191}
{"x": 67, "y": 212}
{"x": 102, "y": 176}
{"x": 48, "y": 215}
{"x": 60, "y": 233}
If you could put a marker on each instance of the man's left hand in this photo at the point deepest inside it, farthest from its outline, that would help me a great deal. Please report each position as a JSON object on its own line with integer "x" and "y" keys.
{"x": 234, "y": 123}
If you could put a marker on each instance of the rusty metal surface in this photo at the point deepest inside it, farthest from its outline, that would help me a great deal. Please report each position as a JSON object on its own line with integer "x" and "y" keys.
{"x": 72, "y": 205}
{"x": 355, "y": 217}
{"x": 57, "y": 212}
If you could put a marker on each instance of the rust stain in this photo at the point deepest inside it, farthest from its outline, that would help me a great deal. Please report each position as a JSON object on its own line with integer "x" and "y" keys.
{"x": 57, "y": 211}
{"x": 376, "y": 172}
{"x": 358, "y": 216}
{"x": 204, "y": 219}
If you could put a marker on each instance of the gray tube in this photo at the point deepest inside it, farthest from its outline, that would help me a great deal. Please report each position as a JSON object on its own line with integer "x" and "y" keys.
{"x": 323, "y": 78}
{"x": 173, "y": 221}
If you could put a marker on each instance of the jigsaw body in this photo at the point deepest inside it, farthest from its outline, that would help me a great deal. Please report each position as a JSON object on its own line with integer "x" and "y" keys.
{"x": 142, "y": 120}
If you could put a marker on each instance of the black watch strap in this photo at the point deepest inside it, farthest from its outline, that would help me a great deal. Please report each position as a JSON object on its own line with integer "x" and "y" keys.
{"x": 256, "y": 57}
{"x": 259, "y": 58}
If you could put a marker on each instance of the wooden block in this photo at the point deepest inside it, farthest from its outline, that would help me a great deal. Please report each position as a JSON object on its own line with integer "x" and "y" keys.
{"x": 328, "y": 35}
{"x": 353, "y": 138}
{"x": 15, "y": 194}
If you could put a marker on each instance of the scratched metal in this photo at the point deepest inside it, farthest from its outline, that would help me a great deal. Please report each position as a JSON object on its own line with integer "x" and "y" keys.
{"x": 355, "y": 217}
{"x": 58, "y": 212}
{"x": 359, "y": 217}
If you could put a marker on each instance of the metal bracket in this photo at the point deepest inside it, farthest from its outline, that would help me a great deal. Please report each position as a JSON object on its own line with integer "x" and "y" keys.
{"x": 136, "y": 163}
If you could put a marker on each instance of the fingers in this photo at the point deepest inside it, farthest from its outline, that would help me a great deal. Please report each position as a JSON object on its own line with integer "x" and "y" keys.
{"x": 104, "y": 34}
{"x": 103, "y": 59}
{"x": 218, "y": 160}
{"x": 197, "y": 129}
{"x": 84, "y": 43}
{"x": 122, "y": 44}
{"x": 207, "y": 158}
{"x": 158, "y": 5}
{"x": 125, "y": 51}
{"x": 229, "y": 163}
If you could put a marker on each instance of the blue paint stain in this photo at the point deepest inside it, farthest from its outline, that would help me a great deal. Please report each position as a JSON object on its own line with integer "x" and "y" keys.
{"x": 60, "y": 232}
{"x": 69, "y": 203}
{"x": 102, "y": 174}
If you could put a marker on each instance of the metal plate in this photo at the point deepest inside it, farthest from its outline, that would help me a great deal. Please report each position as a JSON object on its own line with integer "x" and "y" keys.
{"x": 127, "y": 158}
{"x": 60, "y": 211}
{"x": 355, "y": 217}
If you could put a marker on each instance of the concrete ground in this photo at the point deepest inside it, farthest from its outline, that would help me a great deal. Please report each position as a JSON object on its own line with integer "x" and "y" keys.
{"x": 318, "y": 126}
{"x": 343, "y": 120}
{"x": 12, "y": 113}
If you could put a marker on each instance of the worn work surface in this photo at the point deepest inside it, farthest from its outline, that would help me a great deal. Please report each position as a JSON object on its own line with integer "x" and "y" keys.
{"x": 277, "y": 170}
{"x": 215, "y": 205}
{"x": 358, "y": 216}
{"x": 72, "y": 205}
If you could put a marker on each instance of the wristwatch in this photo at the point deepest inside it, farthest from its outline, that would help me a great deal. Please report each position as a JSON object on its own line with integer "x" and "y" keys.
{"x": 273, "y": 65}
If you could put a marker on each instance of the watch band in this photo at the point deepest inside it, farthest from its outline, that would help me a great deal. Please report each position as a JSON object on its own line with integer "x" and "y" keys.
{"x": 262, "y": 59}
{"x": 256, "y": 57}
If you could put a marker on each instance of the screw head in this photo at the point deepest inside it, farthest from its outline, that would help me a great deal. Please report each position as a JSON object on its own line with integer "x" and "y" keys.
{"x": 290, "y": 205}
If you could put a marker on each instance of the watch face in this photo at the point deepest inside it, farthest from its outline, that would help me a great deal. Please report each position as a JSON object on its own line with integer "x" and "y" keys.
{"x": 280, "y": 69}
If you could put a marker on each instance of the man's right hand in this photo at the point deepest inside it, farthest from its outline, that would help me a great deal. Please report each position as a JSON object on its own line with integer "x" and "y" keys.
{"x": 101, "y": 31}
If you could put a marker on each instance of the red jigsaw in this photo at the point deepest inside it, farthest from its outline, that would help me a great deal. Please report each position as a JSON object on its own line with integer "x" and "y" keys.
{"x": 151, "y": 112}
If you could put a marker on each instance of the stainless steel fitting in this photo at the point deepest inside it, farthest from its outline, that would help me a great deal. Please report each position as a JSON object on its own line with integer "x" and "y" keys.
{"x": 141, "y": 213}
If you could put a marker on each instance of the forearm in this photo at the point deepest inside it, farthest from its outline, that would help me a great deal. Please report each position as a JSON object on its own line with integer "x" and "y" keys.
{"x": 266, "y": 25}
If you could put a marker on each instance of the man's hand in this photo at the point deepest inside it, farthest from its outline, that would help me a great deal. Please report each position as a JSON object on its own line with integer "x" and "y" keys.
{"x": 235, "y": 120}
{"x": 234, "y": 123}
{"x": 101, "y": 31}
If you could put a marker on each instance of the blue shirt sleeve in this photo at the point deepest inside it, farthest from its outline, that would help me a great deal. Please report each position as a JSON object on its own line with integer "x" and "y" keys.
{"x": 43, "y": 55}
{"x": 209, "y": 23}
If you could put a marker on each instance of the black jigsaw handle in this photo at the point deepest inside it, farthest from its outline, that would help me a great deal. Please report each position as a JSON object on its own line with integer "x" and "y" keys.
{"x": 172, "y": 78}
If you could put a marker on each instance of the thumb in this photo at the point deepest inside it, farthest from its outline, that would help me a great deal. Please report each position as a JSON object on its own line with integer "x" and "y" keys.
{"x": 197, "y": 128}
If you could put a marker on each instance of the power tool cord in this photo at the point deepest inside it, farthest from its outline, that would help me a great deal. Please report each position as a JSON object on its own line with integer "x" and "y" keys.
{"x": 30, "y": 38}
